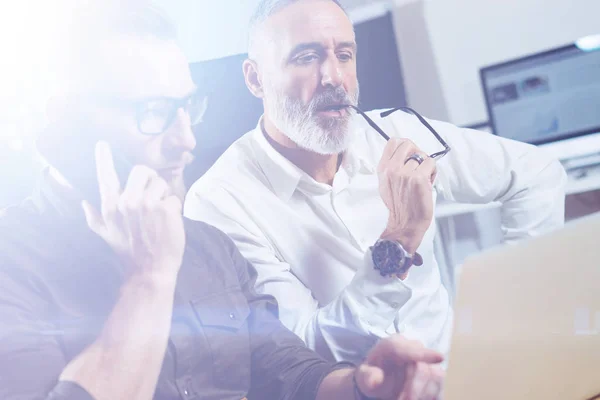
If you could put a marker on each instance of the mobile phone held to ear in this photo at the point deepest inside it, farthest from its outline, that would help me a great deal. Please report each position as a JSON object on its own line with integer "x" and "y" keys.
{"x": 75, "y": 159}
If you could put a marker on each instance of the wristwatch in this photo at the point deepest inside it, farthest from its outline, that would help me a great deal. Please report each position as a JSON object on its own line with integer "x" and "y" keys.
{"x": 390, "y": 258}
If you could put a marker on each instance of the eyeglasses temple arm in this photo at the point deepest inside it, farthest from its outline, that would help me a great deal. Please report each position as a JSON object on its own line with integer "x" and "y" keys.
{"x": 370, "y": 122}
{"x": 423, "y": 121}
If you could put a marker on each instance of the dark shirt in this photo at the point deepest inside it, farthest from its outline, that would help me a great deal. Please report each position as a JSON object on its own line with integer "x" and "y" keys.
{"x": 59, "y": 283}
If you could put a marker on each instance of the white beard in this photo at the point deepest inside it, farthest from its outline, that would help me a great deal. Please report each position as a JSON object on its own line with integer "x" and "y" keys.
{"x": 304, "y": 127}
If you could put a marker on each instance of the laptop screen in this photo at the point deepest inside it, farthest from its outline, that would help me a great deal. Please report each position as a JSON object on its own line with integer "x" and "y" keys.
{"x": 544, "y": 97}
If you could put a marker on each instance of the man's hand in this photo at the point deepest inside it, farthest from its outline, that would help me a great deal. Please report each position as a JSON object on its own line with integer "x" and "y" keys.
{"x": 406, "y": 188}
{"x": 143, "y": 223}
{"x": 400, "y": 369}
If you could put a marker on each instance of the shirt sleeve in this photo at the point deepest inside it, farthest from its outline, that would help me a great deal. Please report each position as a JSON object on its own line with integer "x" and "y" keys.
{"x": 342, "y": 330}
{"x": 282, "y": 366}
{"x": 69, "y": 391}
{"x": 483, "y": 168}
{"x": 31, "y": 359}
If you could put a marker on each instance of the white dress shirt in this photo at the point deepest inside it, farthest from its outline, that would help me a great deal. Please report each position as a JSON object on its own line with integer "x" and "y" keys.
{"x": 310, "y": 241}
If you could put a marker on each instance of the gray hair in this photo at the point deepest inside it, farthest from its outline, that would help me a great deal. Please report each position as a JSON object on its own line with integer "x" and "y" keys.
{"x": 262, "y": 12}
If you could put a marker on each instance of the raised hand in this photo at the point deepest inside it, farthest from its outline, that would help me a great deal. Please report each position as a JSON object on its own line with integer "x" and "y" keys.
{"x": 142, "y": 223}
{"x": 406, "y": 186}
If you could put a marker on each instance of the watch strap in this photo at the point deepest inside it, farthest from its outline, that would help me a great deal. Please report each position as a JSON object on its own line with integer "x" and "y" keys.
{"x": 383, "y": 263}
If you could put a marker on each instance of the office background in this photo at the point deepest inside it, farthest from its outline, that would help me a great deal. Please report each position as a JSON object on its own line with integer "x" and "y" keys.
{"x": 430, "y": 50}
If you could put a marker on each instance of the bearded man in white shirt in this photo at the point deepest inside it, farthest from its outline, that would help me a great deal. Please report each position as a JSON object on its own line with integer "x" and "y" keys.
{"x": 337, "y": 220}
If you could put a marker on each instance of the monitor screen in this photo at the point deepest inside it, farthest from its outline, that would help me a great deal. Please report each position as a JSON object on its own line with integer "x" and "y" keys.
{"x": 545, "y": 97}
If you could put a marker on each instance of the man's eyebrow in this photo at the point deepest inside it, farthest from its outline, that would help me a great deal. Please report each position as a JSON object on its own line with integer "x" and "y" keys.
{"x": 305, "y": 46}
{"x": 343, "y": 45}
{"x": 318, "y": 46}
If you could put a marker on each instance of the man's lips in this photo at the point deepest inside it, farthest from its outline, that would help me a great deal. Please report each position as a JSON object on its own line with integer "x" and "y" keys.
{"x": 333, "y": 107}
{"x": 333, "y": 110}
{"x": 172, "y": 170}
{"x": 178, "y": 167}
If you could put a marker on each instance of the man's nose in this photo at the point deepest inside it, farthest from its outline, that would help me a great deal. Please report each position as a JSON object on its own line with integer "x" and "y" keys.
{"x": 181, "y": 135}
{"x": 331, "y": 73}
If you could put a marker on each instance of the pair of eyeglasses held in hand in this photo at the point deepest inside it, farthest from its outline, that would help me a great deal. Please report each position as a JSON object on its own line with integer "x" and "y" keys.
{"x": 384, "y": 114}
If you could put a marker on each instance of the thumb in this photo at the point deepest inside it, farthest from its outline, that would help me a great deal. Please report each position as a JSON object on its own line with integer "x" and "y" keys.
{"x": 93, "y": 218}
{"x": 369, "y": 379}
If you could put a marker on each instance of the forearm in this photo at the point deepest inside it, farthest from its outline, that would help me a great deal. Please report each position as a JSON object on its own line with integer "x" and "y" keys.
{"x": 350, "y": 324}
{"x": 337, "y": 385}
{"x": 539, "y": 208}
{"x": 483, "y": 168}
{"x": 125, "y": 360}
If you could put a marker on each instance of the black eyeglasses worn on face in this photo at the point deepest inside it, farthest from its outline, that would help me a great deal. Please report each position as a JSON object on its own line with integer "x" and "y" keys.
{"x": 155, "y": 115}
{"x": 384, "y": 114}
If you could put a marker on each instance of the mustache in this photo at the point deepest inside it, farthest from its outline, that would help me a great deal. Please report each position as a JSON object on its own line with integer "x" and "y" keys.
{"x": 187, "y": 158}
{"x": 332, "y": 96}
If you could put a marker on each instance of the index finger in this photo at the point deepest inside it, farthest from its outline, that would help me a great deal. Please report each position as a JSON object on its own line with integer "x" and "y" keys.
{"x": 423, "y": 354}
{"x": 408, "y": 350}
{"x": 108, "y": 180}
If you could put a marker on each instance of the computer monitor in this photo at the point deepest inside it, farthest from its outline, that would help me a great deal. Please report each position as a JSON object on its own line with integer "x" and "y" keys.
{"x": 547, "y": 98}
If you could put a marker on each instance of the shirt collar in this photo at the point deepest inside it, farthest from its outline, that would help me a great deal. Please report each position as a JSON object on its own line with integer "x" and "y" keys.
{"x": 285, "y": 177}
{"x": 356, "y": 160}
{"x": 282, "y": 174}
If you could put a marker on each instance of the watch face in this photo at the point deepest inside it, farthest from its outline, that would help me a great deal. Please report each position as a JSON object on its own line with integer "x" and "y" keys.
{"x": 389, "y": 258}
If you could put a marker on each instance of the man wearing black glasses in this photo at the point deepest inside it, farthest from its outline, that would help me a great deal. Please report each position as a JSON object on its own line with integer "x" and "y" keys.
{"x": 336, "y": 218}
{"x": 108, "y": 293}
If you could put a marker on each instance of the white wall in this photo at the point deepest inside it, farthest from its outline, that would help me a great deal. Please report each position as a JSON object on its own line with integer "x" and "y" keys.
{"x": 465, "y": 35}
{"x": 210, "y": 29}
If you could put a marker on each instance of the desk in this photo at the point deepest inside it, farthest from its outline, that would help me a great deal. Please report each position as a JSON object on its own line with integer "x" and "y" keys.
{"x": 581, "y": 181}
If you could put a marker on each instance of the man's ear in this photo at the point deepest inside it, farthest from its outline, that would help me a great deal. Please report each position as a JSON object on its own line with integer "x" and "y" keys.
{"x": 252, "y": 78}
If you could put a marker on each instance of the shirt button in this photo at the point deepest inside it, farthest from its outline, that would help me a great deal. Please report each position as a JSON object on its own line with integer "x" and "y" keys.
{"x": 185, "y": 392}
{"x": 395, "y": 305}
{"x": 231, "y": 316}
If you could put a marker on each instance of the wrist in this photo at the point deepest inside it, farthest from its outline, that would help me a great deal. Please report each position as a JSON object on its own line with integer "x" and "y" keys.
{"x": 410, "y": 241}
{"x": 153, "y": 281}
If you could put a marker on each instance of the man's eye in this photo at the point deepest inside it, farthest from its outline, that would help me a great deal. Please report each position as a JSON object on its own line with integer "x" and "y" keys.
{"x": 306, "y": 59}
{"x": 345, "y": 56}
{"x": 157, "y": 108}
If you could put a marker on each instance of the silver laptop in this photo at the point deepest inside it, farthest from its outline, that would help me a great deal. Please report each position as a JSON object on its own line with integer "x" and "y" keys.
{"x": 527, "y": 321}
